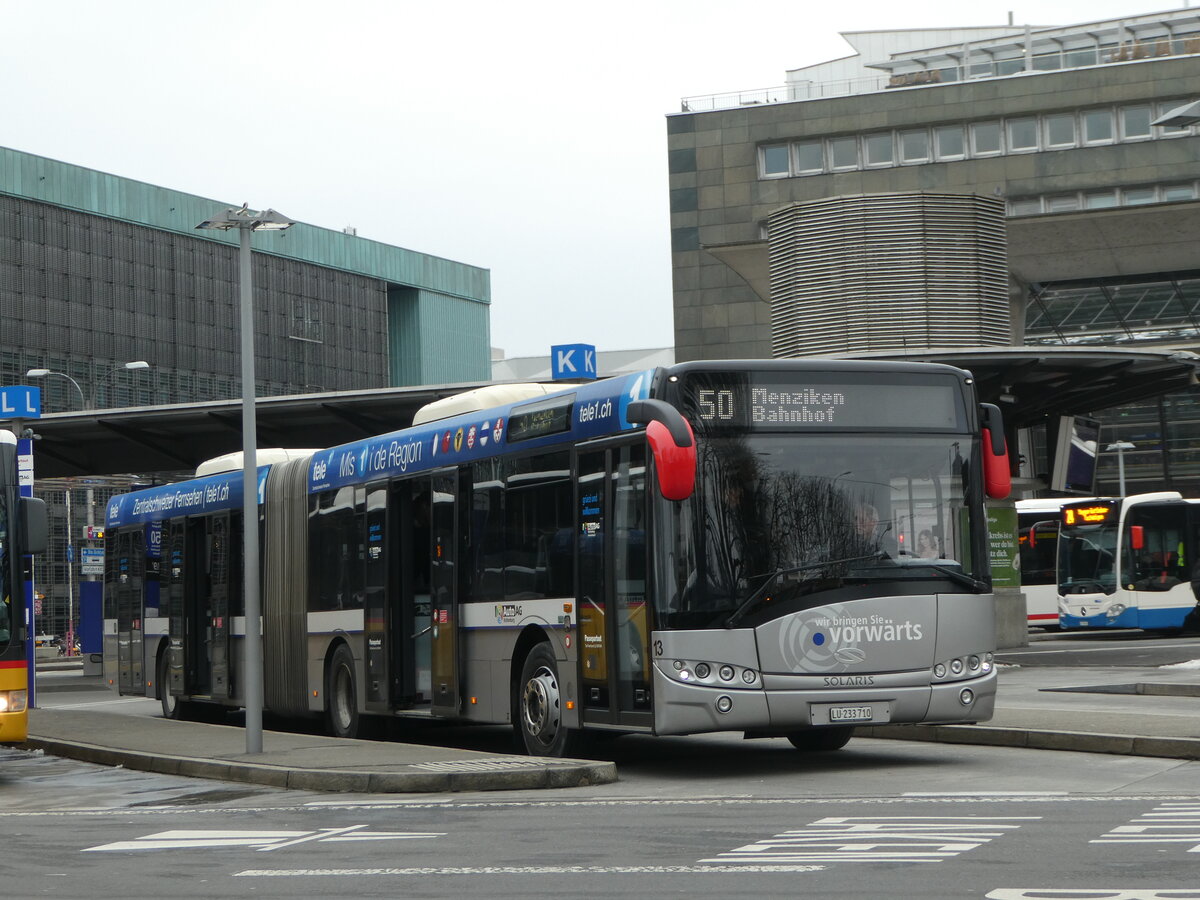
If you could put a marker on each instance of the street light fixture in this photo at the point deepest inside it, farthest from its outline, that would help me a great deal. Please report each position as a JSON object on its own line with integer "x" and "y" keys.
{"x": 42, "y": 373}
{"x": 246, "y": 220}
{"x": 1180, "y": 116}
{"x": 1120, "y": 447}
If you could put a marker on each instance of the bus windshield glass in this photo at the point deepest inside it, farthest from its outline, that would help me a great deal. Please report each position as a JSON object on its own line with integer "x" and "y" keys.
{"x": 786, "y": 521}
{"x": 1087, "y": 557}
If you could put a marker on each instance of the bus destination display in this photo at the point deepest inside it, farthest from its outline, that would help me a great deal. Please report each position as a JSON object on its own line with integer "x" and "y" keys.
{"x": 775, "y": 406}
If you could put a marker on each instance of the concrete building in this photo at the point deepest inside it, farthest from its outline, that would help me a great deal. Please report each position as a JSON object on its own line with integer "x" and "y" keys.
{"x": 1102, "y": 208}
{"x": 98, "y": 271}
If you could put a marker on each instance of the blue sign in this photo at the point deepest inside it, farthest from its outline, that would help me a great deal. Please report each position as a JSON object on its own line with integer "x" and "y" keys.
{"x": 20, "y": 402}
{"x": 572, "y": 361}
{"x": 184, "y": 498}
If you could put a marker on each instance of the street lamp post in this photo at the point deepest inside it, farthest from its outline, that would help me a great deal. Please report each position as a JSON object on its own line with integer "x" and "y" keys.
{"x": 246, "y": 220}
{"x": 84, "y": 404}
{"x": 1120, "y": 447}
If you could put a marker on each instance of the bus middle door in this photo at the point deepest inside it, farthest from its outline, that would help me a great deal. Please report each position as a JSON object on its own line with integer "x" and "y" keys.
{"x": 614, "y": 627}
{"x": 131, "y": 563}
{"x": 444, "y": 610}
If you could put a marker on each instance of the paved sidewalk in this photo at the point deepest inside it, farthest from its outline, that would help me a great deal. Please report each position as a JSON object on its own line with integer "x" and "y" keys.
{"x": 1148, "y": 711}
{"x": 298, "y": 761}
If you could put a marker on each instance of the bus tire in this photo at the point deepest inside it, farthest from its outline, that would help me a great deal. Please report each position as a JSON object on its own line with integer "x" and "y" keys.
{"x": 172, "y": 707}
{"x": 537, "y": 707}
{"x": 817, "y": 740}
{"x": 341, "y": 695}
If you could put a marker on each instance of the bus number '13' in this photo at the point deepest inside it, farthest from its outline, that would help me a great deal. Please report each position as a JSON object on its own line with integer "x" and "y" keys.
{"x": 716, "y": 405}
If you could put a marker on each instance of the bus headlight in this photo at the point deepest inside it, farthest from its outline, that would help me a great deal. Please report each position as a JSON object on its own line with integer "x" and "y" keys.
{"x": 13, "y": 701}
{"x": 712, "y": 674}
{"x": 960, "y": 668}
{"x": 1115, "y": 610}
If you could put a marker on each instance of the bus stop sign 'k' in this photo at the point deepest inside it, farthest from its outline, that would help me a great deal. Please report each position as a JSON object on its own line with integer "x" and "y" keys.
{"x": 572, "y": 361}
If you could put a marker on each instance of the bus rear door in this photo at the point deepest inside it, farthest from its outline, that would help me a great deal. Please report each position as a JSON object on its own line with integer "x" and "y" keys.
{"x": 130, "y": 572}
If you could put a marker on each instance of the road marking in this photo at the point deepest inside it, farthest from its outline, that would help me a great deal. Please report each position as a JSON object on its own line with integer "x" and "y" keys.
{"x": 523, "y": 870}
{"x": 1171, "y": 823}
{"x": 985, "y": 794}
{"x": 257, "y": 840}
{"x": 1092, "y": 894}
{"x": 875, "y": 839}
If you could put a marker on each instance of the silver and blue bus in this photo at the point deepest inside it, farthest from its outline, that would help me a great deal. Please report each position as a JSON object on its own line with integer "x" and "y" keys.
{"x": 781, "y": 548}
{"x": 1127, "y": 562}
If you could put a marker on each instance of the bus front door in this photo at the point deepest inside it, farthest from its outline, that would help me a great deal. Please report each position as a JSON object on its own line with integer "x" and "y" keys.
{"x": 614, "y": 628}
{"x": 409, "y": 624}
{"x": 131, "y": 564}
{"x": 175, "y": 552}
{"x": 444, "y": 613}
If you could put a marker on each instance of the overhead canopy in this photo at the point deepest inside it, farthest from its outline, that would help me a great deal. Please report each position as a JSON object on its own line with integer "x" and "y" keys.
{"x": 1030, "y": 383}
{"x": 180, "y": 436}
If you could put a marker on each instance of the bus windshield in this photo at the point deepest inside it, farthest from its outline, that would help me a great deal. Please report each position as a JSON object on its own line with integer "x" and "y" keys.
{"x": 781, "y": 522}
{"x": 1087, "y": 557}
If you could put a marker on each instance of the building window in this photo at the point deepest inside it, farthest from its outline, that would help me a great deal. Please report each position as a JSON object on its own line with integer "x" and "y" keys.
{"x": 1171, "y": 130}
{"x": 775, "y": 160}
{"x": 808, "y": 157}
{"x": 1138, "y": 196}
{"x": 1100, "y": 200}
{"x": 948, "y": 142}
{"x": 1062, "y": 203}
{"x": 1010, "y": 66}
{"x": 1097, "y": 126}
{"x": 1135, "y": 122}
{"x": 914, "y": 146}
{"x": 1022, "y": 134}
{"x": 1084, "y": 56}
{"x": 1060, "y": 130}
{"x": 879, "y": 150}
{"x": 1025, "y": 206}
{"x": 985, "y": 138}
{"x": 843, "y": 153}
{"x": 1172, "y": 193}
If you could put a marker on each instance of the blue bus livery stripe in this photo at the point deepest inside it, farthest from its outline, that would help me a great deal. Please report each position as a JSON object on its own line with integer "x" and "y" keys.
{"x": 598, "y": 408}
{"x": 186, "y": 498}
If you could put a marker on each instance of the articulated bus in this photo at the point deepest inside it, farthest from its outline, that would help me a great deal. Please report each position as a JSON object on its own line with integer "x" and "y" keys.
{"x": 22, "y": 531}
{"x": 1127, "y": 563}
{"x": 706, "y": 547}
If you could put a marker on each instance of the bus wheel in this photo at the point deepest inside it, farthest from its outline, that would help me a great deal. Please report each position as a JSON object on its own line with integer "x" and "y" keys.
{"x": 171, "y": 707}
{"x": 537, "y": 717}
{"x": 815, "y": 740}
{"x": 341, "y": 699}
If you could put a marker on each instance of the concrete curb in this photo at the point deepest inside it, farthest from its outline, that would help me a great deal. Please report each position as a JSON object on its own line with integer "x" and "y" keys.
{"x": 1079, "y": 741}
{"x": 540, "y": 773}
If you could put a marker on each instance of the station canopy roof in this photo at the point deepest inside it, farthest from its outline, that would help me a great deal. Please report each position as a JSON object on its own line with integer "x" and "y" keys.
{"x": 178, "y": 437}
{"x": 1028, "y": 383}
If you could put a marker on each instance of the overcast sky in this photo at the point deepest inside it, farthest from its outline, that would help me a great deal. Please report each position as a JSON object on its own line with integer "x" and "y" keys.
{"x": 526, "y": 137}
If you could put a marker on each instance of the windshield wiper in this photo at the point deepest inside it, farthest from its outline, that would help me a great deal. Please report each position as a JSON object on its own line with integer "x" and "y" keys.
{"x": 774, "y": 577}
{"x": 942, "y": 569}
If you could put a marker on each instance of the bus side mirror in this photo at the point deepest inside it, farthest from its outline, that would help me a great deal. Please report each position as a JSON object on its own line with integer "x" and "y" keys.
{"x": 671, "y": 442}
{"x": 34, "y": 524}
{"x": 1137, "y": 536}
{"x": 997, "y": 475}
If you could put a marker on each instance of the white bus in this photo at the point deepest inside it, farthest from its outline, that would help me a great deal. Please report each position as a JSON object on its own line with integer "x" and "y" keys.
{"x": 712, "y": 546}
{"x": 1127, "y": 563}
{"x": 1037, "y": 540}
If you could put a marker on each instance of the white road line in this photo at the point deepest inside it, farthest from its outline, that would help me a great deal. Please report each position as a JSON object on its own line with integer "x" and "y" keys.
{"x": 522, "y": 870}
{"x": 985, "y": 794}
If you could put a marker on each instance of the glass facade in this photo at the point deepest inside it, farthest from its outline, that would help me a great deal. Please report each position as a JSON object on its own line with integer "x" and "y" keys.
{"x": 1152, "y": 314}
